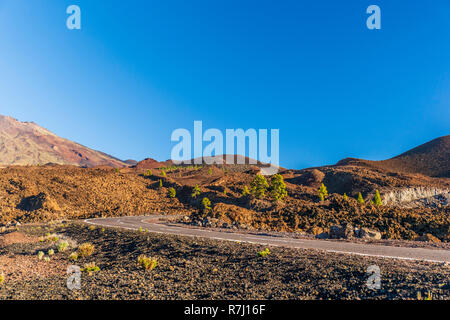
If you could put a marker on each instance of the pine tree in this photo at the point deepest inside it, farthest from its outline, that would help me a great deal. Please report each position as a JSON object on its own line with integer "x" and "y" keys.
{"x": 323, "y": 192}
{"x": 259, "y": 186}
{"x": 245, "y": 192}
{"x": 278, "y": 187}
{"x": 321, "y": 197}
{"x": 206, "y": 204}
{"x": 160, "y": 183}
{"x": 378, "y": 201}
{"x": 163, "y": 173}
{"x": 360, "y": 198}
{"x": 172, "y": 192}
{"x": 196, "y": 191}
{"x": 345, "y": 197}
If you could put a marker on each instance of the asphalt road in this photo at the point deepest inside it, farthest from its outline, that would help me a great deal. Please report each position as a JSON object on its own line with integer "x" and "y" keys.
{"x": 153, "y": 224}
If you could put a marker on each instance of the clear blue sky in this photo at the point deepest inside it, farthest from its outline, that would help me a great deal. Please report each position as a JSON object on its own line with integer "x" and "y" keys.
{"x": 140, "y": 69}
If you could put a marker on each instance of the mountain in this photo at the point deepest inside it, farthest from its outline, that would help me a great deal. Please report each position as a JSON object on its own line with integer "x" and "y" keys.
{"x": 26, "y": 143}
{"x": 429, "y": 159}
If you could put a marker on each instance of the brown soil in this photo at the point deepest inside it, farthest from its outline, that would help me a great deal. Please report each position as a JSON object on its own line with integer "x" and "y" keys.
{"x": 16, "y": 238}
{"x": 209, "y": 269}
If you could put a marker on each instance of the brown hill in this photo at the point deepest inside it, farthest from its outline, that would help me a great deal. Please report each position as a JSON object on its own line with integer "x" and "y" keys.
{"x": 238, "y": 163}
{"x": 430, "y": 159}
{"x": 26, "y": 143}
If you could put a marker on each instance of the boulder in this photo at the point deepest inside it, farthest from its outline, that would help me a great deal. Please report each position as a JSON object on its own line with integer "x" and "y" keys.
{"x": 323, "y": 235}
{"x": 343, "y": 231}
{"x": 428, "y": 237}
{"x": 316, "y": 230}
{"x": 366, "y": 233}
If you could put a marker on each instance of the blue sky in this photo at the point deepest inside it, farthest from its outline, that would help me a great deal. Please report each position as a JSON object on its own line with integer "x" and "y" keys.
{"x": 137, "y": 70}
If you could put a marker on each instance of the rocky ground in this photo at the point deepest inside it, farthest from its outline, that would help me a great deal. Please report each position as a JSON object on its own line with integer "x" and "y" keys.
{"x": 30, "y": 194}
{"x": 198, "y": 269}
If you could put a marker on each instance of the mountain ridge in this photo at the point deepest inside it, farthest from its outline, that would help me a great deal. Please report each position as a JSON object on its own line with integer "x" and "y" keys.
{"x": 27, "y": 143}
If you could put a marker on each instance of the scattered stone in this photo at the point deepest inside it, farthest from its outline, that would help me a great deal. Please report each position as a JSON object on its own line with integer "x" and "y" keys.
{"x": 366, "y": 233}
{"x": 343, "y": 231}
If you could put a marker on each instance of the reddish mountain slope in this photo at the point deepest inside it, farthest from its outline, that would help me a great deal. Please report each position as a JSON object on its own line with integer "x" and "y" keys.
{"x": 26, "y": 143}
{"x": 430, "y": 159}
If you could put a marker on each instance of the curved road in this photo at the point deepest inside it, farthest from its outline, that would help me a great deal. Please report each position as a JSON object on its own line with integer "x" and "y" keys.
{"x": 155, "y": 225}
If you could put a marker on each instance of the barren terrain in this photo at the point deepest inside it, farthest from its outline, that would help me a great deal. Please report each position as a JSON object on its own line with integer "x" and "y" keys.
{"x": 203, "y": 269}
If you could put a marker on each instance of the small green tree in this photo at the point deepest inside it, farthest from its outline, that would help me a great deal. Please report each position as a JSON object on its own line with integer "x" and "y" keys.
{"x": 345, "y": 197}
{"x": 245, "y": 192}
{"x": 259, "y": 186}
{"x": 206, "y": 204}
{"x": 149, "y": 172}
{"x": 323, "y": 192}
{"x": 163, "y": 173}
{"x": 277, "y": 187}
{"x": 321, "y": 197}
{"x": 172, "y": 192}
{"x": 360, "y": 198}
{"x": 160, "y": 183}
{"x": 196, "y": 191}
{"x": 210, "y": 171}
{"x": 378, "y": 201}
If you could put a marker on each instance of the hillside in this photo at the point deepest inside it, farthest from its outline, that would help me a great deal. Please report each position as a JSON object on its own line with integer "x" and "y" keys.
{"x": 430, "y": 159}
{"x": 26, "y": 143}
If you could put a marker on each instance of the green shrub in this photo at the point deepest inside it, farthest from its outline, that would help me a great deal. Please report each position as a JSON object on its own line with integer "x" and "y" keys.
{"x": 2, "y": 278}
{"x": 90, "y": 268}
{"x": 172, "y": 192}
{"x": 86, "y": 249}
{"x": 51, "y": 252}
{"x": 345, "y": 197}
{"x": 163, "y": 173}
{"x": 148, "y": 263}
{"x": 259, "y": 186}
{"x": 73, "y": 256}
{"x": 278, "y": 187}
{"x": 160, "y": 184}
{"x": 264, "y": 253}
{"x": 210, "y": 171}
{"x": 40, "y": 255}
{"x": 245, "y": 191}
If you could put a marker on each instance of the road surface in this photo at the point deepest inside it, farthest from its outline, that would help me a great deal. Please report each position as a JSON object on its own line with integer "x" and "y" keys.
{"x": 153, "y": 224}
